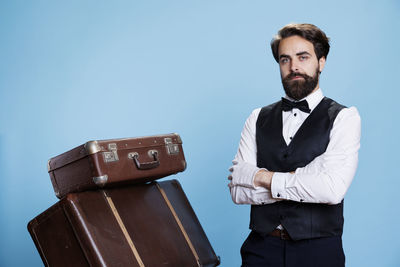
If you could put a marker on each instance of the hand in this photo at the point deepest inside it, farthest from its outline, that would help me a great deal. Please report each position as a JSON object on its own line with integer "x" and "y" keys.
{"x": 263, "y": 178}
{"x": 242, "y": 174}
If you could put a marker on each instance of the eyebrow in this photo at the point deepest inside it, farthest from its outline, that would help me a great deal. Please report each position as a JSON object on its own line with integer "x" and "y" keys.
{"x": 303, "y": 53}
{"x": 283, "y": 55}
{"x": 297, "y": 54}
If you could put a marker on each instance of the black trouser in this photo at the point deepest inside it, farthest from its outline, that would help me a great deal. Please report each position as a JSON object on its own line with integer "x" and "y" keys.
{"x": 265, "y": 251}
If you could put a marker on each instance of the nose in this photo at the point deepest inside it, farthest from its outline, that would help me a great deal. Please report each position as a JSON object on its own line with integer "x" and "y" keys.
{"x": 294, "y": 66}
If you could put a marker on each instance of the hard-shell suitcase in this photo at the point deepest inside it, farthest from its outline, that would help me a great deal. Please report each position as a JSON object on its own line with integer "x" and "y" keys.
{"x": 106, "y": 163}
{"x": 138, "y": 225}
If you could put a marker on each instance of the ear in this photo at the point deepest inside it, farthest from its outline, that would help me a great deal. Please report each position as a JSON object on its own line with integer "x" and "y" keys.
{"x": 321, "y": 61}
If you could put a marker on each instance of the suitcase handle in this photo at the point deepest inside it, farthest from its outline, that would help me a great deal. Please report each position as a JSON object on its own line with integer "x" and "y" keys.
{"x": 145, "y": 165}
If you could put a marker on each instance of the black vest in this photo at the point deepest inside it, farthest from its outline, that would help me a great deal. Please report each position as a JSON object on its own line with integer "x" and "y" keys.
{"x": 301, "y": 220}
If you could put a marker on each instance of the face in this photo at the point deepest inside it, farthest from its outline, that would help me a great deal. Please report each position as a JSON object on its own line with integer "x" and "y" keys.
{"x": 299, "y": 66}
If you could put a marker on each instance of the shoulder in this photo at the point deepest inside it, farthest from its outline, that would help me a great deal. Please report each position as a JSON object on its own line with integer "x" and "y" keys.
{"x": 348, "y": 124}
{"x": 252, "y": 118}
{"x": 266, "y": 111}
{"x": 346, "y": 129}
{"x": 263, "y": 111}
{"x": 270, "y": 107}
{"x": 332, "y": 107}
{"x": 339, "y": 112}
{"x": 255, "y": 113}
{"x": 349, "y": 113}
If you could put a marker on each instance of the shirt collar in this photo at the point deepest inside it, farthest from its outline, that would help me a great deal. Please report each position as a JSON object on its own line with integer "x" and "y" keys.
{"x": 312, "y": 99}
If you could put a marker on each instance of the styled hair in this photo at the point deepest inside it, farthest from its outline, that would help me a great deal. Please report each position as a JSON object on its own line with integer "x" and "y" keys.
{"x": 309, "y": 32}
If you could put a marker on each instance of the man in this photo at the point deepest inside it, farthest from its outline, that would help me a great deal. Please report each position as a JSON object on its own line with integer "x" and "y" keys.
{"x": 296, "y": 160}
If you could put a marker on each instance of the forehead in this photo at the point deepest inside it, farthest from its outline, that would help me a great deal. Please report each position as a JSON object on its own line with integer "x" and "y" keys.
{"x": 295, "y": 44}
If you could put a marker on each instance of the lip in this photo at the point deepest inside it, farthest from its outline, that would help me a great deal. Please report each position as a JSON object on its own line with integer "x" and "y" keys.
{"x": 297, "y": 77}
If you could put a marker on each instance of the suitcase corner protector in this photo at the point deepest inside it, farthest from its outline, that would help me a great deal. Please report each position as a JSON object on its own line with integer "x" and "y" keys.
{"x": 100, "y": 180}
{"x": 92, "y": 147}
{"x": 184, "y": 163}
{"x": 178, "y": 138}
{"x": 48, "y": 165}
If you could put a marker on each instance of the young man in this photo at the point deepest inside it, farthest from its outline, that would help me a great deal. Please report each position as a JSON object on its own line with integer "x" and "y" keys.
{"x": 296, "y": 160}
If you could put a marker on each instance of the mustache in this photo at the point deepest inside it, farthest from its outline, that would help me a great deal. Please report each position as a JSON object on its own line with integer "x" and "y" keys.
{"x": 294, "y": 74}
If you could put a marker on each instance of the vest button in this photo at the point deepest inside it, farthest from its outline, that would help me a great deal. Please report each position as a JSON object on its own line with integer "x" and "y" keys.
{"x": 285, "y": 155}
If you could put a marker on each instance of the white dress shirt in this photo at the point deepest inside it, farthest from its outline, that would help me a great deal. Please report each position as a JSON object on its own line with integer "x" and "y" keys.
{"x": 324, "y": 180}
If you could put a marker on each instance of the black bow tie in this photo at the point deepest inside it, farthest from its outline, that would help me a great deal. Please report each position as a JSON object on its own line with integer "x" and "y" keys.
{"x": 289, "y": 105}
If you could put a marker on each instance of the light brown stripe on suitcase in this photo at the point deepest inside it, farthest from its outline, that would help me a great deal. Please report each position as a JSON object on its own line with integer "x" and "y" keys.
{"x": 179, "y": 224}
{"x": 122, "y": 226}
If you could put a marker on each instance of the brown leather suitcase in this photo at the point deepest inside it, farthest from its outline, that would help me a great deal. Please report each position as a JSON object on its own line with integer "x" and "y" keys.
{"x": 139, "y": 225}
{"x": 107, "y": 163}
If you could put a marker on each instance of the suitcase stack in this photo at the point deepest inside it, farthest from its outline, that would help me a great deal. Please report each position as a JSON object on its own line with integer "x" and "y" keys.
{"x": 112, "y": 212}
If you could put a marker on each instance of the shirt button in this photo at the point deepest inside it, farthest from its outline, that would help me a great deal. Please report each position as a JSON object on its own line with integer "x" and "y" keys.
{"x": 301, "y": 200}
{"x": 278, "y": 195}
{"x": 295, "y": 114}
{"x": 291, "y": 138}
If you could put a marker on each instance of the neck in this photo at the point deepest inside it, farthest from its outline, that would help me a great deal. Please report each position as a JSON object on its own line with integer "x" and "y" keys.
{"x": 315, "y": 89}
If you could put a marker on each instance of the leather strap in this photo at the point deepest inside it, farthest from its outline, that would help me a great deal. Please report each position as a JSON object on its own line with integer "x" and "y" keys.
{"x": 124, "y": 231}
{"x": 178, "y": 221}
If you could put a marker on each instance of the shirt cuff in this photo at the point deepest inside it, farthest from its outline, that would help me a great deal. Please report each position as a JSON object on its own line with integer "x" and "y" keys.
{"x": 278, "y": 185}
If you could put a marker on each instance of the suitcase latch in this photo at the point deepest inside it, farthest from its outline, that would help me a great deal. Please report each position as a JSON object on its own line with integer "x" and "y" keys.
{"x": 112, "y": 155}
{"x": 172, "y": 149}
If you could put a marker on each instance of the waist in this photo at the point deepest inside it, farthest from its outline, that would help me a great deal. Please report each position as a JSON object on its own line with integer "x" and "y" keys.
{"x": 281, "y": 233}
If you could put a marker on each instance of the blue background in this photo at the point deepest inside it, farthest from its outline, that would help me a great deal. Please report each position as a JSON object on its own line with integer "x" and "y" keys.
{"x": 73, "y": 71}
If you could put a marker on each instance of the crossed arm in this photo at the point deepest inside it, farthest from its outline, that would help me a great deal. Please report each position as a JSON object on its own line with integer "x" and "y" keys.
{"x": 324, "y": 180}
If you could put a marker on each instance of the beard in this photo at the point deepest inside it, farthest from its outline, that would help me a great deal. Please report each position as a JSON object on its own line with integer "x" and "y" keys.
{"x": 298, "y": 89}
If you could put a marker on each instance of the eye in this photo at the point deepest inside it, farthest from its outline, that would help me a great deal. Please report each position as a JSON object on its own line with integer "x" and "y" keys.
{"x": 284, "y": 60}
{"x": 302, "y": 58}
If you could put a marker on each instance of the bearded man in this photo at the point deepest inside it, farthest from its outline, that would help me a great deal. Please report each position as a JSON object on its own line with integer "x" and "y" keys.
{"x": 295, "y": 162}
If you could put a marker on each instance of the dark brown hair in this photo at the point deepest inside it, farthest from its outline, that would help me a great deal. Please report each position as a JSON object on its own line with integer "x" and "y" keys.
{"x": 309, "y": 32}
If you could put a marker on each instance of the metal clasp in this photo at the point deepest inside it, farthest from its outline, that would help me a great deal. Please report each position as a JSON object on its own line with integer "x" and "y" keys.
{"x": 172, "y": 149}
{"x": 112, "y": 155}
